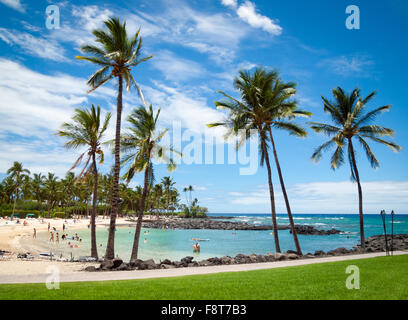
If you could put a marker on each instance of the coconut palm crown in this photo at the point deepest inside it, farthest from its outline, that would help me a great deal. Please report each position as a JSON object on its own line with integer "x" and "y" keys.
{"x": 351, "y": 121}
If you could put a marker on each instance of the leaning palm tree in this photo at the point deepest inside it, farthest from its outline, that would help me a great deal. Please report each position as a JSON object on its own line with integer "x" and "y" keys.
{"x": 251, "y": 115}
{"x": 87, "y": 130}
{"x": 116, "y": 57}
{"x": 350, "y": 120}
{"x": 140, "y": 146}
{"x": 17, "y": 172}
{"x": 282, "y": 109}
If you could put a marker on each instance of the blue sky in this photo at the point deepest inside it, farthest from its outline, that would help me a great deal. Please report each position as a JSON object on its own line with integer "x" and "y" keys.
{"x": 199, "y": 46}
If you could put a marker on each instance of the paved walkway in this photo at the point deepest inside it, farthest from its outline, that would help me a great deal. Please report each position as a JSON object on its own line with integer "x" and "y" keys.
{"x": 160, "y": 273}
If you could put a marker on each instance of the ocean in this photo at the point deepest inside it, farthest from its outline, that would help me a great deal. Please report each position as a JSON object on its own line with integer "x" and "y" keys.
{"x": 176, "y": 244}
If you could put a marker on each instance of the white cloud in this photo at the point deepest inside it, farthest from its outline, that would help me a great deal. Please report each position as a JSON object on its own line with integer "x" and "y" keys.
{"x": 175, "y": 68}
{"x": 230, "y": 3}
{"x": 185, "y": 106}
{"x": 35, "y": 46}
{"x": 247, "y": 12}
{"x": 331, "y": 197}
{"x": 32, "y": 108}
{"x": 15, "y": 4}
{"x": 353, "y": 65}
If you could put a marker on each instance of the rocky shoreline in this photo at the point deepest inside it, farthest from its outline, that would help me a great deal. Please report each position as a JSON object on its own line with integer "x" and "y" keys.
{"x": 217, "y": 224}
{"x": 373, "y": 244}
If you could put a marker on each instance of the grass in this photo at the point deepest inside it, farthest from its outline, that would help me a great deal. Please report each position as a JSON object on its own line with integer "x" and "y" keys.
{"x": 380, "y": 278}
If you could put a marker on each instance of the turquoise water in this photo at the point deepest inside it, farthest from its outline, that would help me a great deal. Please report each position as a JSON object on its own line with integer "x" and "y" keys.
{"x": 176, "y": 244}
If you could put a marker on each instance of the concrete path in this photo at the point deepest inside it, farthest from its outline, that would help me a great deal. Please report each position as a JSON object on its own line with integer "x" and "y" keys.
{"x": 160, "y": 273}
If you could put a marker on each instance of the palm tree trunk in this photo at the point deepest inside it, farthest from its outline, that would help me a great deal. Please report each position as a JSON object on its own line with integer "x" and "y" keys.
{"x": 271, "y": 193}
{"x": 135, "y": 248}
{"x": 14, "y": 205}
{"x": 94, "y": 250}
{"x": 110, "y": 247}
{"x": 285, "y": 195}
{"x": 360, "y": 193}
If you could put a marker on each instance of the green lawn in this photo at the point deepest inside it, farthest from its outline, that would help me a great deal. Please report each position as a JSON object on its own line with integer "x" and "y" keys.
{"x": 380, "y": 278}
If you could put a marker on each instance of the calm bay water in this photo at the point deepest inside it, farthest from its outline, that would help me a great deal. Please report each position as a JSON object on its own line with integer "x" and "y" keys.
{"x": 176, "y": 244}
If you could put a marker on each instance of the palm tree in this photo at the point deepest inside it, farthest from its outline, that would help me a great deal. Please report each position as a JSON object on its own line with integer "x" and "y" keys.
{"x": 17, "y": 172}
{"x": 158, "y": 192}
{"x": 282, "y": 108}
{"x": 140, "y": 146}
{"x": 167, "y": 183}
{"x": 51, "y": 190}
{"x": 68, "y": 185}
{"x": 190, "y": 189}
{"x": 249, "y": 115}
{"x": 352, "y": 121}
{"x": 116, "y": 57}
{"x": 185, "y": 190}
{"x": 37, "y": 185}
{"x": 87, "y": 129}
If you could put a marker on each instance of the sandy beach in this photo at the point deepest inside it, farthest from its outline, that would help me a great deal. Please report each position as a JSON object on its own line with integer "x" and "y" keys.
{"x": 18, "y": 239}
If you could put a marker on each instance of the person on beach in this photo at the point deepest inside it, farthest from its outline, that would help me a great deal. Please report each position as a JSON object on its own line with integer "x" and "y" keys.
{"x": 57, "y": 238}
{"x": 49, "y": 226}
{"x": 196, "y": 247}
{"x": 52, "y": 237}
{"x": 35, "y": 234}
{"x": 63, "y": 227}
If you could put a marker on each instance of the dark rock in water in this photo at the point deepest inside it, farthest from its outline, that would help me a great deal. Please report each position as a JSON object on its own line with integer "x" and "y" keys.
{"x": 215, "y": 261}
{"x": 338, "y": 252}
{"x": 117, "y": 263}
{"x": 106, "y": 265}
{"x": 166, "y": 261}
{"x": 226, "y": 260}
{"x": 135, "y": 263}
{"x": 319, "y": 253}
{"x": 124, "y": 267}
{"x": 270, "y": 257}
{"x": 377, "y": 243}
{"x": 91, "y": 269}
{"x": 149, "y": 264}
{"x": 310, "y": 230}
{"x": 187, "y": 260}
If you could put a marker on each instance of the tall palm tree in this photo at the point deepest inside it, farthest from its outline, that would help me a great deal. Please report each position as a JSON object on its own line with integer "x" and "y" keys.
{"x": 140, "y": 146}
{"x": 51, "y": 190}
{"x": 17, "y": 172}
{"x": 190, "y": 190}
{"x": 158, "y": 192}
{"x": 282, "y": 109}
{"x": 351, "y": 120}
{"x": 167, "y": 183}
{"x": 116, "y": 56}
{"x": 250, "y": 115}
{"x": 185, "y": 190}
{"x": 37, "y": 185}
{"x": 87, "y": 130}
